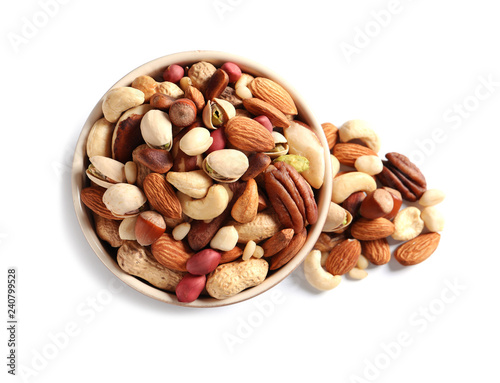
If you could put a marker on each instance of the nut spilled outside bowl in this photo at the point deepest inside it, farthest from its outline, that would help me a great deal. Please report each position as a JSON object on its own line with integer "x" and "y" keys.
{"x": 200, "y": 179}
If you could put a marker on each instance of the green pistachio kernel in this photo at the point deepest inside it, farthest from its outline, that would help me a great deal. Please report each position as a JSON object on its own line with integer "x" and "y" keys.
{"x": 217, "y": 116}
{"x": 300, "y": 163}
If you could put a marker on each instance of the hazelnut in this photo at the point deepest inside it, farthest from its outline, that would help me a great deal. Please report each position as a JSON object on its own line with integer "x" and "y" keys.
{"x": 182, "y": 112}
{"x": 377, "y": 204}
{"x": 149, "y": 226}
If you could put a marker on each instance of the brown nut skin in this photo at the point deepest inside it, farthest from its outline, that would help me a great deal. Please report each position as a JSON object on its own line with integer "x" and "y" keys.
{"x": 353, "y": 203}
{"x": 377, "y": 203}
{"x": 284, "y": 256}
{"x": 277, "y": 242}
{"x": 263, "y": 203}
{"x": 201, "y": 233}
{"x": 218, "y": 82}
{"x": 161, "y": 101}
{"x": 183, "y": 112}
{"x": 397, "y": 200}
{"x": 257, "y": 163}
{"x": 157, "y": 160}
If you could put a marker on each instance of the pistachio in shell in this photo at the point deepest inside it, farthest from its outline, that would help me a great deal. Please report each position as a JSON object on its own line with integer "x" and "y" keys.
{"x": 225, "y": 165}
{"x": 105, "y": 171}
{"x": 124, "y": 200}
{"x": 280, "y": 145}
{"x": 156, "y": 129}
{"x": 337, "y": 219}
{"x": 217, "y": 112}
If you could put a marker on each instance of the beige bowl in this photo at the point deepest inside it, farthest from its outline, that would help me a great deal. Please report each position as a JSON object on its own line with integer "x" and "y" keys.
{"x": 79, "y": 180}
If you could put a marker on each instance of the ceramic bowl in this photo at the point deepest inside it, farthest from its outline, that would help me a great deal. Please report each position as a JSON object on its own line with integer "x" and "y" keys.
{"x": 107, "y": 255}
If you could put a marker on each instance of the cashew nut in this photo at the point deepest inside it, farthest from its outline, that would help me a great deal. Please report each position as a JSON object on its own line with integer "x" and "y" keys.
{"x": 408, "y": 224}
{"x": 244, "y": 80}
{"x": 335, "y": 165}
{"x": 194, "y": 183}
{"x": 214, "y": 203}
{"x": 360, "y": 130}
{"x": 118, "y": 100}
{"x": 316, "y": 275}
{"x": 346, "y": 184}
{"x": 241, "y": 86}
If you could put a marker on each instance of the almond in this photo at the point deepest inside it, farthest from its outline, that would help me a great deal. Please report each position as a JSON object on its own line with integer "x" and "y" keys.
{"x": 245, "y": 208}
{"x": 371, "y": 229}
{"x": 171, "y": 253}
{"x": 161, "y": 196}
{"x": 258, "y": 107}
{"x": 92, "y": 198}
{"x": 377, "y": 251}
{"x": 277, "y": 242}
{"x": 231, "y": 255}
{"x": 331, "y": 134}
{"x": 274, "y": 94}
{"x": 347, "y": 153}
{"x": 418, "y": 249}
{"x": 248, "y": 135}
{"x": 343, "y": 257}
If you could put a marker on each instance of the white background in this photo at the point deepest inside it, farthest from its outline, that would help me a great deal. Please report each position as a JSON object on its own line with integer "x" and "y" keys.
{"x": 409, "y": 77}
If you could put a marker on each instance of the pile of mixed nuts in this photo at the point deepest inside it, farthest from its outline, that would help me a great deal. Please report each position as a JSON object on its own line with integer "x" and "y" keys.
{"x": 204, "y": 180}
{"x": 367, "y": 209}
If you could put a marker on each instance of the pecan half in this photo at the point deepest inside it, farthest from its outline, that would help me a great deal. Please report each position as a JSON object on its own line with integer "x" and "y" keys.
{"x": 401, "y": 174}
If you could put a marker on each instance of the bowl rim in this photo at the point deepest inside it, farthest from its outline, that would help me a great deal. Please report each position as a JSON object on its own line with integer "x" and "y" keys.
{"x": 154, "y": 68}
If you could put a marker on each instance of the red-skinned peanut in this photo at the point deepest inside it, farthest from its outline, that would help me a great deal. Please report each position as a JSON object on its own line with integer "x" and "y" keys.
{"x": 219, "y": 140}
{"x": 203, "y": 262}
{"x": 232, "y": 70}
{"x": 173, "y": 73}
{"x": 190, "y": 287}
{"x": 264, "y": 120}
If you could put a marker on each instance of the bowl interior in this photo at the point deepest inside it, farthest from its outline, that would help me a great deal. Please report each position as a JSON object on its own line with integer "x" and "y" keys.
{"x": 79, "y": 180}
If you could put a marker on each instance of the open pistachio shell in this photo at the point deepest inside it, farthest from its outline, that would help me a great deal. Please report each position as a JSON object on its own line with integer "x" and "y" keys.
{"x": 217, "y": 112}
{"x": 280, "y": 145}
{"x": 156, "y": 129}
{"x": 124, "y": 200}
{"x": 337, "y": 219}
{"x": 225, "y": 165}
{"x": 105, "y": 171}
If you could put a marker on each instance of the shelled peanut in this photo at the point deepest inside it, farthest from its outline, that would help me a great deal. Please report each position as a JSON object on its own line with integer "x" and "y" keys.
{"x": 369, "y": 207}
{"x": 205, "y": 178}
